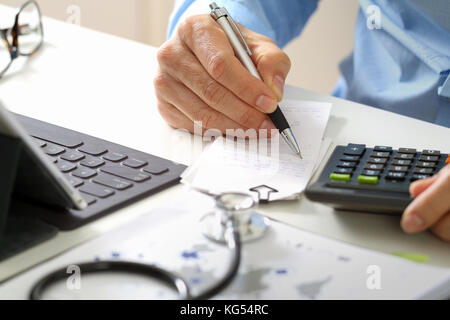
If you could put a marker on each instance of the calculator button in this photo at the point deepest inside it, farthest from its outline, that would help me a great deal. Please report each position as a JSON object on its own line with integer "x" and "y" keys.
{"x": 397, "y": 162}
{"x": 374, "y": 167}
{"x": 407, "y": 151}
{"x": 398, "y": 169}
{"x": 431, "y": 153}
{"x": 343, "y": 171}
{"x": 355, "y": 149}
{"x": 416, "y": 177}
{"x": 367, "y": 180}
{"x": 377, "y": 160}
{"x": 396, "y": 176}
{"x": 112, "y": 182}
{"x": 422, "y": 164}
{"x": 350, "y": 158}
{"x": 75, "y": 182}
{"x": 66, "y": 166}
{"x": 404, "y": 156}
{"x": 53, "y": 150}
{"x": 380, "y": 155}
{"x": 344, "y": 164}
{"x": 340, "y": 177}
{"x": 382, "y": 149}
{"x": 423, "y": 171}
{"x": 93, "y": 150}
{"x": 371, "y": 173}
{"x": 429, "y": 158}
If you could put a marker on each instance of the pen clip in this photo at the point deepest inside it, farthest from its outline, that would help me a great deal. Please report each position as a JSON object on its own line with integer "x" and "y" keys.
{"x": 218, "y": 13}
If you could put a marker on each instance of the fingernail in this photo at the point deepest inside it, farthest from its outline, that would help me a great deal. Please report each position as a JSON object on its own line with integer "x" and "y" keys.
{"x": 413, "y": 223}
{"x": 266, "y": 104}
{"x": 267, "y": 125}
{"x": 278, "y": 83}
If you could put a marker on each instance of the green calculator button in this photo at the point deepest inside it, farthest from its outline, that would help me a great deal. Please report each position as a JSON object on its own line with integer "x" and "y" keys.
{"x": 340, "y": 177}
{"x": 367, "y": 180}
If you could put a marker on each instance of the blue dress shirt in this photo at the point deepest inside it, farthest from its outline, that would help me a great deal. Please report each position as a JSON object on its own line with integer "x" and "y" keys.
{"x": 401, "y": 58}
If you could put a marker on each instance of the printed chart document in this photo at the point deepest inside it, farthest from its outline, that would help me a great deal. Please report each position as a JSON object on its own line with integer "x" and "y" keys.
{"x": 287, "y": 263}
{"x": 269, "y": 168}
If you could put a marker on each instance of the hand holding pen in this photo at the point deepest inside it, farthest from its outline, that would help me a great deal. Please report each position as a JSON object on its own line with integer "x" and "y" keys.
{"x": 200, "y": 78}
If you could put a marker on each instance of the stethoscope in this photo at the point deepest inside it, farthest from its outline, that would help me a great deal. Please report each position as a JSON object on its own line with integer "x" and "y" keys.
{"x": 232, "y": 222}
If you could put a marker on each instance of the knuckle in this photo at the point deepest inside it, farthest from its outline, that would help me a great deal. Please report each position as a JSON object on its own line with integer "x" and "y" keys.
{"x": 207, "y": 118}
{"x": 216, "y": 65}
{"x": 213, "y": 93}
{"x": 166, "y": 54}
{"x": 246, "y": 119}
{"x": 160, "y": 82}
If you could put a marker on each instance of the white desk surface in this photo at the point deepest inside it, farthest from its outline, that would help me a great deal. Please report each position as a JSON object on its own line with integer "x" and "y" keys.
{"x": 102, "y": 85}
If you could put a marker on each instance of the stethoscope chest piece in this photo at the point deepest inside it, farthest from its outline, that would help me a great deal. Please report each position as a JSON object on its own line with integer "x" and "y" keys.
{"x": 237, "y": 208}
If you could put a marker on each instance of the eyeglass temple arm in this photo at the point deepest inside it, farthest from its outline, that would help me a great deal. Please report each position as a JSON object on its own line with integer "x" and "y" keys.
{"x": 23, "y": 30}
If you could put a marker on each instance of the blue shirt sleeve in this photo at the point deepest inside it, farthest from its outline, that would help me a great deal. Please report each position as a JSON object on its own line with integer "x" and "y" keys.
{"x": 281, "y": 21}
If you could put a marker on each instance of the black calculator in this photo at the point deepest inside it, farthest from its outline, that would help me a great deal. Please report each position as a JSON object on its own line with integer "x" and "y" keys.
{"x": 373, "y": 179}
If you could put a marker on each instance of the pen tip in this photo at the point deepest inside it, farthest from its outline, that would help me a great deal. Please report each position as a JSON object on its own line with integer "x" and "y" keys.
{"x": 300, "y": 155}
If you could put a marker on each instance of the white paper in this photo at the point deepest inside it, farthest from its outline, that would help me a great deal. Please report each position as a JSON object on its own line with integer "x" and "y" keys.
{"x": 235, "y": 166}
{"x": 287, "y": 263}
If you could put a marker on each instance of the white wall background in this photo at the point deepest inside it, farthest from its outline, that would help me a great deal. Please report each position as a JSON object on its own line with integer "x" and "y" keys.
{"x": 327, "y": 38}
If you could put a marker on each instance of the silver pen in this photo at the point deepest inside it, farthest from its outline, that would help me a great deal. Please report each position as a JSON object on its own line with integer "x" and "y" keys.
{"x": 244, "y": 54}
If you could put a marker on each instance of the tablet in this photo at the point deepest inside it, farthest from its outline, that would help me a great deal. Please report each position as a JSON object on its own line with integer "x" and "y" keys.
{"x": 38, "y": 178}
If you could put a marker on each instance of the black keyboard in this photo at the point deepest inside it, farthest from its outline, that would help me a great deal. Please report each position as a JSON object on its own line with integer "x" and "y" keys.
{"x": 374, "y": 179}
{"x": 108, "y": 175}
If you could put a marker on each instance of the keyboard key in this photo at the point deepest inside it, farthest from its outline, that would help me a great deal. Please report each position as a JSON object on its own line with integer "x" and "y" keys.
{"x": 382, "y": 149}
{"x": 343, "y": 171}
{"x": 350, "y": 158}
{"x": 367, "y": 180}
{"x": 380, "y": 155}
{"x": 40, "y": 143}
{"x": 425, "y": 171}
{"x": 115, "y": 157}
{"x": 371, "y": 173}
{"x": 53, "y": 150}
{"x": 404, "y": 156}
{"x": 92, "y": 162}
{"x": 431, "y": 153}
{"x": 396, "y": 176}
{"x": 407, "y": 151}
{"x": 340, "y": 177}
{"x": 126, "y": 173}
{"x": 96, "y": 190}
{"x": 429, "y": 158}
{"x": 378, "y": 160}
{"x": 398, "y": 169}
{"x": 73, "y": 156}
{"x": 378, "y": 167}
{"x": 343, "y": 164}
{"x": 422, "y": 164}
{"x": 65, "y": 167}
{"x": 93, "y": 150}
{"x": 398, "y": 162}
{"x": 84, "y": 173}
{"x": 135, "y": 163}
{"x": 52, "y": 160}
{"x": 64, "y": 140}
{"x": 112, "y": 182}
{"x": 416, "y": 177}
{"x": 75, "y": 182}
{"x": 159, "y": 169}
{"x": 355, "y": 149}
{"x": 90, "y": 200}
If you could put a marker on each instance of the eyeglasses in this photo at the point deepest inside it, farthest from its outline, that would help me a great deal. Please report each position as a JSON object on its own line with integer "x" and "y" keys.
{"x": 24, "y": 38}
